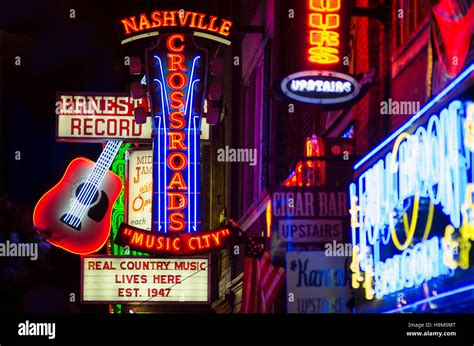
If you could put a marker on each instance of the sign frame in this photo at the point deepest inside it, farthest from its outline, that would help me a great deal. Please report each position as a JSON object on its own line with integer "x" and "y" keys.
{"x": 334, "y": 101}
{"x": 148, "y": 303}
{"x": 94, "y": 139}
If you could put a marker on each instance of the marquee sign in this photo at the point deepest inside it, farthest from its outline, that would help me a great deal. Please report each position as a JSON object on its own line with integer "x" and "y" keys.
{"x": 412, "y": 211}
{"x": 115, "y": 279}
{"x": 98, "y": 117}
{"x": 320, "y": 87}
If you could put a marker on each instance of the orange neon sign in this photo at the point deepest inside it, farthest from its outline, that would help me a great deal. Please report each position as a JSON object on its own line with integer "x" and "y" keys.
{"x": 323, "y": 24}
{"x": 173, "y": 19}
{"x": 180, "y": 243}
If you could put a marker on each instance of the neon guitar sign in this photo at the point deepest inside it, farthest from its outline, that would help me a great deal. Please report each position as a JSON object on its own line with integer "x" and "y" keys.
{"x": 75, "y": 214}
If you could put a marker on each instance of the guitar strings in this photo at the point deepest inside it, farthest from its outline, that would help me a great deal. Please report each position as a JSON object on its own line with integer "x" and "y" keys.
{"x": 109, "y": 155}
{"x": 90, "y": 188}
{"x": 78, "y": 208}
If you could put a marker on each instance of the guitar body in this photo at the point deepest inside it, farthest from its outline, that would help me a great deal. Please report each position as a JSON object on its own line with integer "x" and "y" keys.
{"x": 75, "y": 215}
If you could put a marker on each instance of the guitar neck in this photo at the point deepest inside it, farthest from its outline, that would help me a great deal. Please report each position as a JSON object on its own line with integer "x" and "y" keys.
{"x": 104, "y": 161}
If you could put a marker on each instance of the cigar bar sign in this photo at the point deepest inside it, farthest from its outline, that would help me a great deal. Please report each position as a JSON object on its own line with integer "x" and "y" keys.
{"x": 86, "y": 117}
{"x": 307, "y": 215}
{"x": 115, "y": 279}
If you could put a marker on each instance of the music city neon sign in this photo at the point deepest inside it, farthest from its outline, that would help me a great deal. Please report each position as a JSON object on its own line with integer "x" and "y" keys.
{"x": 433, "y": 164}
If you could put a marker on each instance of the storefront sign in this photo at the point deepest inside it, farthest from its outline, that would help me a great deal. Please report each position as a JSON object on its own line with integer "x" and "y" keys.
{"x": 412, "y": 205}
{"x": 320, "y": 87}
{"x": 308, "y": 215}
{"x": 139, "y": 187}
{"x": 83, "y": 117}
{"x": 317, "y": 283}
{"x": 114, "y": 279}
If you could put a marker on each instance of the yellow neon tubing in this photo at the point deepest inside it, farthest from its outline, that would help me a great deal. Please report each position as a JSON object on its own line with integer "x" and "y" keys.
{"x": 414, "y": 216}
{"x": 411, "y": 232}
{"x": 429, "y": 222}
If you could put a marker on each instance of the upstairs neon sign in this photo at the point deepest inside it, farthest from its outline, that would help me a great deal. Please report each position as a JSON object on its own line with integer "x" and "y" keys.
{"x": 433, "y": 166}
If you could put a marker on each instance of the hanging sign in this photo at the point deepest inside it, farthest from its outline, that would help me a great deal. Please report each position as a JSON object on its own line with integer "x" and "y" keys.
{"x": 320, "y": 87}
{"x": 320, "y": 284}
{"x": 98, "y": 117}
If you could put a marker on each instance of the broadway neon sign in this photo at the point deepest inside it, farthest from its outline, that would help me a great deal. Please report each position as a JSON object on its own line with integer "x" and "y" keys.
{"x": 427, "y": 176}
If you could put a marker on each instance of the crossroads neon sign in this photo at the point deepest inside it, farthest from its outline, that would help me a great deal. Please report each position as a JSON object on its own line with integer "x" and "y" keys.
{"x": 429, "y": 168}
{"x": 176, "y": 76}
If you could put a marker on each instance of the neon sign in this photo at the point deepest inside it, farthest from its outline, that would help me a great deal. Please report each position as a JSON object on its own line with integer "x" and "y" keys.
{"x": 320, "y": 87}
{"x": 180, "y": 243}
{"x": 323, "y": 25}
{"x": 428, "y": 168}
{"x": 176, "y": 75}
{"x": 176, "y": 19}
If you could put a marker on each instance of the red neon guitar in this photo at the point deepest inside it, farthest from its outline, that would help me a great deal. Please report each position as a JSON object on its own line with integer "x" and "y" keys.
{"x": 75, "y": 214}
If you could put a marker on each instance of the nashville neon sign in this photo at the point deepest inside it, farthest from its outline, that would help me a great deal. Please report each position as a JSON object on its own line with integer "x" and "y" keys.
{"x": 175, "y": 19}
{"x": 433, "y": 164}
{"x": 323, "y": 25}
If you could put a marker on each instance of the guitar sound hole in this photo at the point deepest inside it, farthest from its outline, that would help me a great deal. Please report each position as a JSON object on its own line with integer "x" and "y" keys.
{"x": 87, "y": 193}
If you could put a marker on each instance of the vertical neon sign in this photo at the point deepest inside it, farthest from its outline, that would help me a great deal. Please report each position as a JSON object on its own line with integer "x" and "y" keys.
{"x": 176, "y": 76}
{"x": 323, "y": 25}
